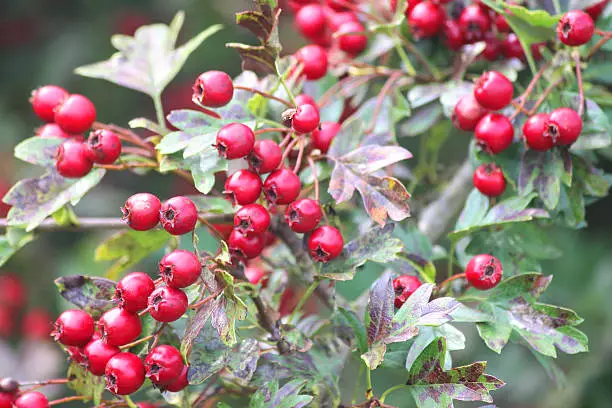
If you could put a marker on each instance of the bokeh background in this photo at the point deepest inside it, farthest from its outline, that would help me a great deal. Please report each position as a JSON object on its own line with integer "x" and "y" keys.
{"x": 42, "y": 41}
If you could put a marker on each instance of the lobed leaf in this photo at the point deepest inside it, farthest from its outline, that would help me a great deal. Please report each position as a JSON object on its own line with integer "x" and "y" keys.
{"x": 92, "y": 294}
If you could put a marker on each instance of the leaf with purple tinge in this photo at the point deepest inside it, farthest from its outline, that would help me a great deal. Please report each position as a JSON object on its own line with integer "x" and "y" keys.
{"x": 92, "y": 294}
{"x": 542, "y": 172}
{"x": 38, "y": 150}
{"x": 432, "y": 386}
{"x": 380, "y": 309}
{"x": 196, "y": 323}
{"x": 288, "y": 396}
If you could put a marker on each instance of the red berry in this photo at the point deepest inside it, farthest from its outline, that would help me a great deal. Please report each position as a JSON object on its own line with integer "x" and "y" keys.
{"x": 45, "y": 99}
{"x": 483, "y": 271}
{"x": 9, "y": 385}
{"x": 213, "y": 89}
{"x": 265, "y": 156}
{"x": 52, "y": 130}
{"x": 97, "y": 354}
{"x": 7, "y": 321}
{"x": 575, "y": 28}
{"x": 244, "y": 247}
{"x": 512, "y": 48}
{"x": 310, "y": 20}
{"x": 564, "y": 126}
{"x": 493, "y": 48}
{"x": 119, "y": 327}
{"x": 180, "y": 268}
{"x": 72, "y": 160}
{"x": 303, "y": 99}
{"x": 36, "y": 325}
{"x": 339, "y": 5}
{"x": 493, "y": 90}
{"x": 501, "y": 24}
{"x": 596, "y": 9}
{"x": 426, "y": 19}
{"x": 124, "y": 374}
{"x": 252, "y": 219}
{"x": 467, "y": 113}
{"x": 489, "y": 180}
{"x": 335, "y": 20}
{"x": 323, "y": 136}
{"x": 303, "y": 215}
{"x": 164, "y": 364}
{"x": 146, "y": 405}
{"x": 32, "y": 399}
{"x": 167, "y": 304}
{"x": 325, "y": 243}
{"x": 76, "y": 114}
{"x": 255, "y": 275}
{"x": 6, "y": 399}
{"x": 314, "y": 61}
{"x": 453, "y": 38}
{"x": 76, "y": 354}
{"x": 178, "y": 215}
{"x": 132, "y": 291}
{"x": 535, "y": 133}
{"x": 73, "y": 328}
{"x": 103, "y": 147}
{"x": 494, "y": 133}
{"x": 180, "y": 383}
{"x": 282, "y": 187}
{"x": 404, "y": 286}
{"x": 234, "y": 141}
{"x": 243, "y": 187}
{"x": 12, "y": 291}
{"x": 410, "y": 5}
{"x": 474, "y": 23}
{"x": 141, "y": 211}
{"x": 349, "y": 41}
{"x": 306, "y": 119}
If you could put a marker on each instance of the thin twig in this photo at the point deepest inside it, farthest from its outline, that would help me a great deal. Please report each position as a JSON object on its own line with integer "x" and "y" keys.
{"x": 544, "y": 95}
{"x": 449, "y": 280}
{"x": 270, "y": 130}
{"x": 381, "y": 97}
{"x": 205, "y": 300}
{"x": 598, "y": 45}
{"x": 298, "y": 161}
{"x": 525, "y": 95}
{"x": 69, "y": 399}
{"x": 132, "y": 137}
{"x": 289, "y": 148}
{"x": 137, "y": 151}
{"x": 264, "y": 94}
{"x": 127, "y": 166}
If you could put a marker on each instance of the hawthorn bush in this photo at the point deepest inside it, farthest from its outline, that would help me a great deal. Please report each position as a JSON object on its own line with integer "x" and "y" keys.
{"x": 276, "y": 155}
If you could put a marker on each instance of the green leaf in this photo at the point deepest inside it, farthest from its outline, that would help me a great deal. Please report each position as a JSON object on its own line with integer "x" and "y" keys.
{"x": 38, "y": 150}
{"x": 129, "y": 247}
{"x": 474, "y": 211}
{"x": 421, "y": 120}
{"x": 85, "y": 383}
{"x": 595, "y": 130}
{"x": 13, "y": 241}
{"x": 294, "y": 339}
{"x": 92, "y": 294}
{"x": 541, "y": 172}
{"x": 348, "y": 318}
{"x": 380, "y": 309}
{"x": 455, "y": 340}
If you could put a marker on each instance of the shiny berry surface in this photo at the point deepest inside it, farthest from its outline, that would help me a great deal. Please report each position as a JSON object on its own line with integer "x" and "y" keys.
{"x": 426, "y": 19}
{"x": 282, "y": 187}
{"x": 52, "y": 130}
{"x": 73, "y": 328}
{"x": 306, "y": 119}
{"x": 404, "y": 286}
{"x": 350, "y": 39}
{"x": 103, "y": 147}
{"x": 141, "y": 211}
{"x": 119, "y": 327}
{"x": 494, "y": 133}
{"x": 474, "y": 23}
{"x": 178, "y": 215}
{"x": 252, "y": 219}
{"x": 303, "y": 215}
{"x": 325, "y": 243}
{"x": 575, "y": 28}
{"x": 265, "y": 157}
{"x": 467, "y": 113}
{"x": 489, "y": 180}
{"x": 324, "y": 135}
{"x": 180, "y": 383}
{"x": 124, "y": 374}
{"x": 46, "y": 99}
{"x": 243, "y": 247}
{"x": 493, "y": 90}
{"x": 483, "y": 271}
{"x": 167, "y": 304}
{"x": 132, "y": 291}
{"x": 72, "y": 159}
{"x": 564, "y": 126}
{"x": 164, "y": 364}
{"x": 314, "y": 61}
{"x": 234, "y": 141}
{"x": 32, "y": 399}
{"x": 97, "y": 353}
{"x": 213, "y": 89}
{"x": 76, "y": 114}
{"x": 180, "y": 268}
{"x": 535, "y": 132}
{"x": 243, "y": 187}
{"x": 310, "y": 20}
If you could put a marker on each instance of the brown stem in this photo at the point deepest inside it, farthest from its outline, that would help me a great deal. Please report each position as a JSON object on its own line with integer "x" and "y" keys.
{"x": 205, "y": 300}
{"x": 449, "y": 280}
{"x": 381, "y": 97}
{"x": 355, "y": 9}
{"x": 44, "y": 382}
{"x": 265, "y": 95}
{"x": 69, "y": 399}
{"x": 139, "y": 341}
{"x": 286, "y": 139}
{"x": 126, "y": 134}
{"x": 313, "y": 168}
{"x": 205, "y": 109}
{"x": 298, "y": 161}
{"x": 127, "y": 166}
{"x": 544, "y": 95}
{"x": 211, "y": 227}
{"x": 270, "y": 130}
{"x": 576, "y": 56}
{"x": 137, "y": 151}
{"x": 289, "y": 148}
{"x": 525, "y": 95}
{"x": 606, "y": 37}
{"x": 340, "y": 87}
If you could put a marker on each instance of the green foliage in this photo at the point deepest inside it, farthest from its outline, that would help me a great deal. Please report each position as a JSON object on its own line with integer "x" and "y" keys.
{"x": 85, "y": 383}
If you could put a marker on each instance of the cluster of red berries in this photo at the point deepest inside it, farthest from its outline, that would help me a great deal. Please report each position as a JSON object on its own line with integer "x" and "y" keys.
{"x": 10, "y": 397}
{"x": 177, "y": 215}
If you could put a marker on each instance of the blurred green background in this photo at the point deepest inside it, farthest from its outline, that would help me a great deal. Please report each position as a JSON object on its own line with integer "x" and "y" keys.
{"x": 42, "y": 41}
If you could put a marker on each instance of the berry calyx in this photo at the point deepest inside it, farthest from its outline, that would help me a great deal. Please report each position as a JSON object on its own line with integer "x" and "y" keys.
{"x": 303, "y": 215}
{"x": 493, "y": 90}
{"x": 178, "y": 215}
{"x": 97, "y": 353}
{"x": 252, "y": 219}
{"x": 76, "y": 114}
{"x": 180, "y": 383}
{"x": 489, "y": 180}
{"x": 282, "y": 187}
{"x": 180, "y": 268}
{"x": 243, "y": 187}
{"x": 103, "y": 147}
{"x": 167, "y": 304}
{"x": 467, "y": 113}
{"x": 163, "y": 365}
{"x": 323, "y": 136}
{"x": 73, "y": 328}
{"x": 350, "y": 39}
{"x": 575, "y": 28}
{"x": 483, "y": 271}
{"x": 535, "y": 133}
{"x": 124, "y": 374}
{"x": 72, "y": 159}
{"x": 234, "y": 141}
{"x": 32, "y": 399}
{"x": 265, "y": 157}
{"x": 426, "y": 19}
{"x": 494, "y": 133}
{"x": 310, "y": 20}
{"x": 404, "y": 286}
{"x": 474, "y": 23}
{"x": 244, "y": 247}
{"x": 132, "y": 291}
{"x": 305, "y": 119}
{"x": 45, "y": 99}
{"x": 325, "y": 243}
{"x": 52, "y": 130}
{"x": 213, "y": 89}
{"x": 564, "y": 126}
{"x": 255, "y": 275}
{"x": 141, "y": 211}
{"x": 314, "y": 61}
{"x": 119, "y": 327}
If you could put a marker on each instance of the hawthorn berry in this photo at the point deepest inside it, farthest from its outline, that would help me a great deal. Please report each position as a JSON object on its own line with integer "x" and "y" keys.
{"x": 76, "y": 114}
{"x": 132, "y": 291}
{"x": 325, "y": 243}
{"x": 36, "y": 324}
{"x": 304, "y": 99}
{"x": 167, "y": 304}
{"x": 141, "y": 211}
{"x": 314, "y": 61}
{"x": 467, "y": 113}
{"x": 180, "y": 268}
{"x": 535, "y": 133}
{"x": 404, "y": 286}
{"x": 255, "y": 275}
{"x": 493, "y": 90}
{"x": 339, "y": 5}
{"x": 281, "y": 187}
{"x": 6, "y": 399}
{"x": 483, "y": 271}
{"x": 252, "y": 219}
{"x": 9, "y": 385}
{"x": 474, "y": 22}
{"x": 303, "y": 215}
{"x": 12, "y": 291}
{"x": 350, "y": 37}
{"x": 323, "y": 136}
{"x": 178, "y": 215}
{"x": 596, "y": 9}
{"x": 163, "y": 365}
{"x": 119, "y": 327}
{"x": 243, "y": 187}
{"x": 575, "y": 28}
{"x": 72, "y": 159}
{"x": 494, "y": 133}
{"x": 234, "y": 141}
{"x": 97, "y": 353}
{"x": 76, "y": 354}
{"x": 336, "y": 19}
{"x": 501, "y": 24}
{"x": 310, "y": 20}
{"x": 32, "y": 399}
{"x": 489, "y": 180}
{"x": 426, "y": 19}
{"x": 73, "y": 327}
{"x": 453, "y": 38}
{"x": 512, "y": 47}
{"x": 45, "y": 99}
{"x": 243, "y": 247}
{"x": 213, "y": 89}
{"x": 180, "y": 383}
{"x": 493, "y": 47}
{"x": 265, "y": 156}
{"x": 124, "y": 374}
{"x": 305, "y": 119}
{"x": 52, "y": 130}
{"x": 103, "y": 146}
{"x": 7, "y": 321}
{"x": 564, "y": 126}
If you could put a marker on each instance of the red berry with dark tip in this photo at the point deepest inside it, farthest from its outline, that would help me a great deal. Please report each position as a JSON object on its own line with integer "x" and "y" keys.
{"x": 252, "y": 219}
{"x": 314, "y": 61}
{"x": 124, "y": 374}
{"x": 76, "y": 114}
{"x": 167, "y": 304}
{"x": 310, "y": 20}
{"x": 234, "y": 141}
{"x": 282, "y": 187}
{"x": 178, "y": 215}
{"x": 474, "y": 23}
{"x": 303, "y": 215}
{"x": 564, "y": 126}
{"x": 325, "y": 243}
{"x": 426, "y": 19}
{"x": 489, "y": 180}
{"x": 72, "y": 159}
{"x": 467, "y": 113}
{"x": 141, "y": 211}
{"x": 180, "y": 268}
{"x": 97, "y": 353}
{"x": 103, "y": 146}
{"x": 351, "y": 37}
{"x": 575, "y": 28}
{"x": 323, "y": 136}
{"x": 265, "y": 156}
{"x": 45, "y": 99}
{"x": 306, "y": 119}
{"x": 483, "y": 271}
{"x": 244, "y": 247}
{"x": 163, "y": 365}
{"x": 52, "y": 130}
{"x": 255, "y": 275}
{"x": 32, "y": 399}
{"x": 213, "y": 89}
{"x": 180, "y": 383}
{"x": 494, "y": 133}
{"x": 493, "y": 90}
{"x": 243, "y": 187}
{"x": 404, "y": 286}
{"x": 512, "y": 47}
{"x": 132, "y": 291}
{"x": 119, "y": 327}
{"x": 453, "y": 38}
{"x": 73, "y": 328}
{"x": 535, "y": 133}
